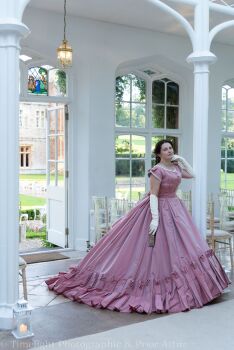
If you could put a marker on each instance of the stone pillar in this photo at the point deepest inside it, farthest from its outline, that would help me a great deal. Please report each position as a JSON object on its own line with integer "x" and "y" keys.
{"x": 11, "y": 31}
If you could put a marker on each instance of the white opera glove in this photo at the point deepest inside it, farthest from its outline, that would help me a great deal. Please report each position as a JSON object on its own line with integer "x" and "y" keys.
{"x": 183, "y": 163}
{"x": 154, "y": 211}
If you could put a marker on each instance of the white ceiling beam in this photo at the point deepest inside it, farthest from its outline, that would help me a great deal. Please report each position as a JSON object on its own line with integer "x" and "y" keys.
{"x": 186, "y": 2}
{"x": 227, "y": 10}
{"x": 185, "y": 24}
{"x": 219, "y": 28}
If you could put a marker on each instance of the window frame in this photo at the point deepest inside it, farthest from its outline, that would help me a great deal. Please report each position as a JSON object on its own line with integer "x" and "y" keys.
{"x": 149, "y": 131}
{"x": 225, "y": 134}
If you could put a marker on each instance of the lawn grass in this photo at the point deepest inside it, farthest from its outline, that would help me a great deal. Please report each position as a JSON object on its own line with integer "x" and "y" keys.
{"x": 230, "y": 181}
{"x": 32, "y": 177}
{"x": 28, "y": 202}
{"x": 37, "y": 177}
{"x": 32, "y": 234}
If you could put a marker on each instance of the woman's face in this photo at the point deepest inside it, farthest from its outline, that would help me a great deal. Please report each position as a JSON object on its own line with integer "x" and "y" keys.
{"x": 166, "y": 151}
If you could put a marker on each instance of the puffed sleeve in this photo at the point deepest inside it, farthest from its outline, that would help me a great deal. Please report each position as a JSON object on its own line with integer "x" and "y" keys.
{"x": 156, "y": 172}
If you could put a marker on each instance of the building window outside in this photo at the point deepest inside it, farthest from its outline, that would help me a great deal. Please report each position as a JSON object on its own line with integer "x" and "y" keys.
{"x": 147, "y": 110}
{"x": 25, "y": 155}
{"x": 227, "y": 141}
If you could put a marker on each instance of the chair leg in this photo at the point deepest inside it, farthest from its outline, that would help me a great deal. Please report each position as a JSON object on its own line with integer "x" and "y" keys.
{"x": 24, "y": 283}
{"x": 231, "y": 254}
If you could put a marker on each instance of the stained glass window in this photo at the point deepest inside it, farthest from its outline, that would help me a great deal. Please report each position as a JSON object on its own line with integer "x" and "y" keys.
{"x": 38, "y": 81}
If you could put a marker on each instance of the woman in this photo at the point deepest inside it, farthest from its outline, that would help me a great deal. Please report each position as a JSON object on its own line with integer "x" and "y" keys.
{"x": 153, "y": 259}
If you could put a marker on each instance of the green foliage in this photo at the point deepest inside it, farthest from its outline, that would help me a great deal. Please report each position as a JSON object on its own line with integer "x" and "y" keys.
{"x": 130, "y": 79}
{"x": 61, "y": 80}
{"x": 44, "y": 218}
{"x": 141, "y": 84}
{"x": 38, "y": 234}
{"x": 122, "y": 147}
{"x": 132, "y": 105}
{"x": 120, "y": 85}
{"x": 123, "y": 168}
{"x": 31, "y": 213}
{"x": 47, "y": 244}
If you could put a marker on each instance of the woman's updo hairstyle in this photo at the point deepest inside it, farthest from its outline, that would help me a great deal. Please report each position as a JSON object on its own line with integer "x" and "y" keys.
{"x": 157, "y": 149}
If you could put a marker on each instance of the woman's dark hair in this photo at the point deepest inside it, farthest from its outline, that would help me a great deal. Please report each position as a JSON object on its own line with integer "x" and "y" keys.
{"x": 157, "y": 148}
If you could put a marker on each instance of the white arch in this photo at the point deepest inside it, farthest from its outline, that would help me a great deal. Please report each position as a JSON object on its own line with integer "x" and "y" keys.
{"x": 218, "y": 29}
{"x": 185, "y": 24}
{"x": 186, "y": 2}
{"x": 22, "y": 6}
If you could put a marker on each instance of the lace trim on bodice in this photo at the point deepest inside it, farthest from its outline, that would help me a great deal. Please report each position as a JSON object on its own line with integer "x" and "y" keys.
{"x": 173, "y": 171}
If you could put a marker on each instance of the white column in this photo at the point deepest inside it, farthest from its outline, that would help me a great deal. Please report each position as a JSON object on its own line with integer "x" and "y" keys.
{"x": 201, "y": 59}
{"x": 11, "y": 31}
{"x": 200, "y": 137}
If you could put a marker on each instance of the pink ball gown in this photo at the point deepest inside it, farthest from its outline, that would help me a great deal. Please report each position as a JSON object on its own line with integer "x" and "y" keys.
{"x": 121, "y": 272}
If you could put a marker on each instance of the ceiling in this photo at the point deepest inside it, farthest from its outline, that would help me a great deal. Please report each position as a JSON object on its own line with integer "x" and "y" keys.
{"x": 133, "y": 13}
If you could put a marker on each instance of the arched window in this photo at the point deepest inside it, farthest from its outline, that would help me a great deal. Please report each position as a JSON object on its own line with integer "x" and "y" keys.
{"x": 38, "y": 81}
{"x": 227, "y": 143}
{"x": 147, "y": 110}
{"x": 46, "y": 80}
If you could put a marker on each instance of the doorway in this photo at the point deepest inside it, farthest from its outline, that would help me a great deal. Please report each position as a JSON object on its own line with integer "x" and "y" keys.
{"x": 43, "y": 176}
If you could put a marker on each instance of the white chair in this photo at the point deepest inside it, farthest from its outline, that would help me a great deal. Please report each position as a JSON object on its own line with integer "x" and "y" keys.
{"x": 216, "y": 219}
{"x": 186, "y": 197}
{"x": 225, "y": 221}
{"x": 214, "y": 235}
{"x": 104, "y": 213}
{"x": 22, "y": 273}
{"x": 118, "y": 208}
{"x": 101, "y": 216}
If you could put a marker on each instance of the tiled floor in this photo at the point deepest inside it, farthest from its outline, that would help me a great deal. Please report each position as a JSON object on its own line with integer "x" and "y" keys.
{"x": 56, "y": 318}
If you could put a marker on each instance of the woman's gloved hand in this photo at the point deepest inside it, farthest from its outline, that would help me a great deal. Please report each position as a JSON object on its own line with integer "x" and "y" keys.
{"x": 183, "y": 164}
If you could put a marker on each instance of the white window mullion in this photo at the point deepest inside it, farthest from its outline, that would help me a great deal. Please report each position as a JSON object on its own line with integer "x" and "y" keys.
{"x": 149, "y": 129}
{"x": 165, "y": 106}
{"x": 130, "y": 158}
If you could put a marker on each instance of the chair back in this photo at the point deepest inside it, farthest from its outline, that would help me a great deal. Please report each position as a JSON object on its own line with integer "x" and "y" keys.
{"x": 229, "y": 194}
{"x": 223, "y": 202}
{"x": 104, "y": 213}
{"x": 211, "y": 223}
{"x": 186, "y": 197}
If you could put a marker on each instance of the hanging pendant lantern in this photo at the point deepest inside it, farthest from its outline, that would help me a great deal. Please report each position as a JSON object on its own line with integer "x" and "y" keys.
{"x": 64, "y": 51}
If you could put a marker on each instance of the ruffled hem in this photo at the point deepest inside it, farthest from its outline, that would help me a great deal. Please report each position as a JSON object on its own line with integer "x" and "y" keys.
{"x": 191, "y": 286}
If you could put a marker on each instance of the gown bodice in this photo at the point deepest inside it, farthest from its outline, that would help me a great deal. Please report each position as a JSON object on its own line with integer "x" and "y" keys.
{"x": 169, "y": 179}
